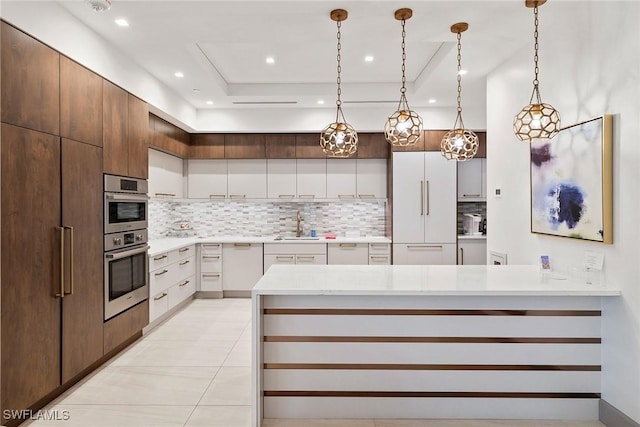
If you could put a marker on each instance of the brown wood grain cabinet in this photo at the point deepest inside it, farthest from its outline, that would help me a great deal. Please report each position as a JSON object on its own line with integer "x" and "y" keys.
{"x": 244, "y": 146}
{"x": 433, "y": 138}
{"x": 30, "y": 189}
{"x": 80, "y": 103}
{"x": 169, "y": 138}
{"x": 115, "y": 129}
{"x": 206, "y": 146}
{"x": 372, "y": 146}
{"x": 126, "y": 325}
{"x": 308, "y": 146}
{"x": 138, "y": 141}
{"x": 482, "y": 147}
{"x": 280, "y": 146}
{"x": 30, "y": 82}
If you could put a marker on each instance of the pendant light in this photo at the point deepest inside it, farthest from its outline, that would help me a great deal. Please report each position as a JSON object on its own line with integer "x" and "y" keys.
{"x": 404, "y": 127}
{"x": 537, "y": 120}
{"x": 339, "y": 139}
{"x": 459, "y": 143}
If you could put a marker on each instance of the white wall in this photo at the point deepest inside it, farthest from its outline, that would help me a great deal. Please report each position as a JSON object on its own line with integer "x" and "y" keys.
{"x": 590, "y": 65}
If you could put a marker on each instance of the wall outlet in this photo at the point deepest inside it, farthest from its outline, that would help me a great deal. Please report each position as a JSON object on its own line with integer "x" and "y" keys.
{"x": 498, "y": 192}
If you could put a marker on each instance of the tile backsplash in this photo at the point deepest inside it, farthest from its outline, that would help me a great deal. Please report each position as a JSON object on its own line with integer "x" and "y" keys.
{"x": 470, "y": 208}
{"x": 246, "y": 218}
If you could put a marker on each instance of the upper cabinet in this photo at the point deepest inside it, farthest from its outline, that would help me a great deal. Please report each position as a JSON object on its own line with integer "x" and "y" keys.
{"x": 80, "y": 103}
{"x": 280, "y": 146}
{"x": 125, "y": 130}
{"x": 244, "y": 146}
{"x": 30, "y": 82}
{"x": 308, "y": 146}
{"x": 472, "y": 180}
{"x": 168, "y": 138}
{"x": 247, "y": 178}
{"x": 341, "y": 178}
{"x": 206, "y": 146}
{"x": 372, "y": 146}
{"x": 165, "y": 175}
{"x": 371, "y": 178}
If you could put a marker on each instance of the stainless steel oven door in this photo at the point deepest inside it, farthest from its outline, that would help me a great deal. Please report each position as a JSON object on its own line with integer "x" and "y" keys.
{"x": 124, "y": 212}
{"x": 126, "y": 279}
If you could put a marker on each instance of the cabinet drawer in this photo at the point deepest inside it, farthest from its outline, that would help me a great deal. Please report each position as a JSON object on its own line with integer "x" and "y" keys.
{"x": 157, "y": 261}
{"x": 270, "y": 259}
{"x": 379, "y": 248}
{"x": 295, "y": 248}
{"x": 185, "y": 268}
{"x": 380, "y": 259}
{"x": 211, "y": 263}
{"x": 314, "y": 259}
{"x": 162, "y": 278}
{"x": 182, "y": 253}
{"x": 210, "y": 248}
{"x": 211, "y": 282}
{"x": 348, "y": 254}
{"x": 181, "y": 291}
{"x": 158, "y": 305}
{"x": 424, "y": 254}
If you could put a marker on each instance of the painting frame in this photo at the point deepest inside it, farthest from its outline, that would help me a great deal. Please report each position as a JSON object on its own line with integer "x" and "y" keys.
{"x": 571, "y": 182}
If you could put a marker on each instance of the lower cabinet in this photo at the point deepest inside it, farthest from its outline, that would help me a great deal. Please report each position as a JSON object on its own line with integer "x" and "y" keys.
{"x": 242, "y": 266}
{"x": 472, "y": 251}
{"x": 424, "y": 254}
{"x": 294, "y": 253}
{"x": 348, "y": 254}
{"x": 379, "y": 253}
{"x": 172, "y": 280}
{"x": 211, "y": 267}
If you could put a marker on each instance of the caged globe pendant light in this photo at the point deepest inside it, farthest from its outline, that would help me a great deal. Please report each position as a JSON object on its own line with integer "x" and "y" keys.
{"x": 459, "y": 143}
{"x": 339, "y": 139}
{"x": 404, "y": 127}
{"x": 536, "y": 121}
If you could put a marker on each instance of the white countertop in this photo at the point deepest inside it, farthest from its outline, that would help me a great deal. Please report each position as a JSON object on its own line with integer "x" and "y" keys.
{"x": 472, "y": 237}
{"x": 158, "y": 246}
{"x": 443, "y": 280}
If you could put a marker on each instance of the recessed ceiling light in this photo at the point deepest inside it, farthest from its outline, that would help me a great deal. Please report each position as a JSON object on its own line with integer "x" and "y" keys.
{"x": 178, "y": 74}
{"x": 121, "y": 22}
{"x": 368, "y": 58}
{"x": 462, "y": 72}
{"x": 270, "y": 60}
{"x": 209, "y": 102}
{"x": 432, "y": 101}
{"x": 320, "y": 101}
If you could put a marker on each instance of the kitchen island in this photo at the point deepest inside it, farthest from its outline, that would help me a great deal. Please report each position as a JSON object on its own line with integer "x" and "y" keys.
{"x": 425, "y": 342}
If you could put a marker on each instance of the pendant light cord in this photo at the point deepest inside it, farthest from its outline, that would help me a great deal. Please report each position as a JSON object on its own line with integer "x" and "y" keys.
{"x": 339, "y": 80}
{"x": 459, "y": 115}
{"x": 403, "y": 104}
{"x": 536, "y": 69}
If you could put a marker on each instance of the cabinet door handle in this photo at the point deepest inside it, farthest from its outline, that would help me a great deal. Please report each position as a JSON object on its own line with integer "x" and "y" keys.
{"x": 424, "y": 246}
{"x": 242, "y": 245}
{"x": 186, "y": 282}
{"x": 165, "y": 195}
{"x": 210, "y": 256}
{"x": 367, "y": 196}
{"x": 158, "y": 258}
{"x": 237, "y": 196}
{"x": 346, "y": 196}
{"x": 211, "y": 245}
{"x": 62, "y": 246}
{"x": 282, "y": 257}
{"x": 421, "y": 198}
{"x": 286, "y": 196}
{"x": 183, "y": 250}
{"x": 379, "y": 245}
{"x": 471, "y": 195}
{"x": 428, "y": 204}
{"x": 184, "y": 262}
{"x": 347, "y": 245}
{"x": 161, "y": 273}
{"x": 71, "y": 259}
{"x": 306, "y": 196}
{"x": 461, "y": 256}
{"x": 217, "y": 196}
{"x": 211, "y": 275}
{"x": 306, "y": 257}
{"x": 164, "y": 294}
{"x": 381, "y": 257}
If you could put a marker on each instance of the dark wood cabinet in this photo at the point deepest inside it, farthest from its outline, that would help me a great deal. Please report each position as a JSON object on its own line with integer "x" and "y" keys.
{"x": 280, "y": 146}
{"x": 433, "y": 138}
{"x": 308, "y": 146}
{"x": 80, "y": 103}
{"x": 168, "y": 138}
{"x": 372, "y": 146}
{"x": 30, "y": 82}
{"x": 482, "y": 147}
{"x": 138, "y": 141}
{"x": 115, "y": 129}
{"x": 206, "y": 146}
{"x": 244, "y": 146}
{"x": 30, "y": 189}
{"x": 82, "y": 308}
{"x": 125, "y": 326}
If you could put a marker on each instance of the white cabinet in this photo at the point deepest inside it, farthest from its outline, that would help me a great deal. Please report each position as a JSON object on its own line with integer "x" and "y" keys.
{"x": 165, "y": 175}
{"x": 311, "y": 178}
{"x": 341, "y": 178}
{"x": 247, "y": 178}
{"x": 294, "y": 253}
{"x": 371, "y": 177}
{"x": 281, "y": 178}
{"x": 472, "y": 180}
{"x": 207, "y": 179}
{"x": 379, "y": 253}
{"x": 347, "y": 254}
{"x": 424, "y": 206}
{"x": 172, "y": 280}
{"x": 472, "y": 251}
{"x": 242, "y": 266}
{"x": 211, "y": 267}
{"x": 424, "y": 254}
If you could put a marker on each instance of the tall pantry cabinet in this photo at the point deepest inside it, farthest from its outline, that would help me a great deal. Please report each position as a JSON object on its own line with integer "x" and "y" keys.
{"x": 51, "y": 222}
{"x": 424, "y": 208}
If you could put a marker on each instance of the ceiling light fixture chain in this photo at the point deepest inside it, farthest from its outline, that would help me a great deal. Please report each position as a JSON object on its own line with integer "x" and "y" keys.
{"x": 404, "y": 127}
{"x": 339, "y": 68}
{"x": 459, "y": 143}
{"x": 536, "y": 68}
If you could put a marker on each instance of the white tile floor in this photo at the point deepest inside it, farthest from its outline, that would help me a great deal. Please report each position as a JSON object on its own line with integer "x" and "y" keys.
{"x": 194, "y": 370}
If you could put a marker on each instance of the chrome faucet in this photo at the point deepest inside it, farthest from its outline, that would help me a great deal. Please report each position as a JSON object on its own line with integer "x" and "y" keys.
{"x": 298, "y": 226}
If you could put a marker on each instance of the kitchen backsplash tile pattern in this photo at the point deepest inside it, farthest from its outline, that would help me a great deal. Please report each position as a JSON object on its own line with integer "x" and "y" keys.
{"x": 234, "y": 218}
{"x": 470, "y": 208}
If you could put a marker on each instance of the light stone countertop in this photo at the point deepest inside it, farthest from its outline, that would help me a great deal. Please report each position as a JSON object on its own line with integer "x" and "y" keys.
{"x": 440, "y": 280}
{"x": 158, "y": 246}
{"x": 472, "y": 237}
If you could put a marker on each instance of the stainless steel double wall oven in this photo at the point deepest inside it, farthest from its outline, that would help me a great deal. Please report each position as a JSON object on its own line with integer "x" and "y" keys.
{"x": 126, "y": 281}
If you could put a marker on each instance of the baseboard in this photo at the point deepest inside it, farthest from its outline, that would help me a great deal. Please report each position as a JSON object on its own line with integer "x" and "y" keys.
{"x": 613, "y": 417}
{"x": 208, "y": 295}
{"x": 236, "y": 294}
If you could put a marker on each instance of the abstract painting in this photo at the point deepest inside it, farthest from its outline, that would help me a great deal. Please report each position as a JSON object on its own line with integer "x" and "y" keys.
{"x": 571, "y": 182}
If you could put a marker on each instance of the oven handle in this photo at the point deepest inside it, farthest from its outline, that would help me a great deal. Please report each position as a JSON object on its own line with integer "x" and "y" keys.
{"x": 128, "y": 197}
{"x": 125, "y": 254}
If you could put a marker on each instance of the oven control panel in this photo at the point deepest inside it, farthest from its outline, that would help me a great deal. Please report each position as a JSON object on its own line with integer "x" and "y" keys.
{"x": 124, "y": 239}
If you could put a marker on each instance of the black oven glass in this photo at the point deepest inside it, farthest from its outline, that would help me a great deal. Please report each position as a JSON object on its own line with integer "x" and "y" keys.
{"x": 126, "y": 212}
{"x": 126, "y": 274}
